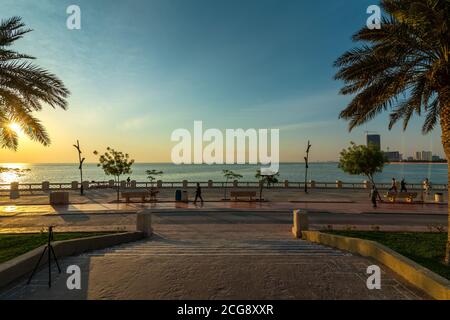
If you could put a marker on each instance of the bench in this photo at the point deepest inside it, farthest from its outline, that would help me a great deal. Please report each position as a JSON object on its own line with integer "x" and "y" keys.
{"x": 140, "y": 194}
{"x": 153, "y": 194}
{"x": 236, "y": 194}
{"x": 135, "y": 194}
{"x": 408, "y": 196}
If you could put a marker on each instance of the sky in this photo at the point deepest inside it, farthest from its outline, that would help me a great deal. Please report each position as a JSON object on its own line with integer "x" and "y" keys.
{"x": 140, "y": 69}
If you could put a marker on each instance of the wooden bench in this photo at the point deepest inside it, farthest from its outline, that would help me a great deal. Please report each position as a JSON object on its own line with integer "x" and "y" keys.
{"x": 135, "y": 194}
{"x": 153, "y": 194}
{"x": 408, "y": 196}
{"x": 236, "y": 194}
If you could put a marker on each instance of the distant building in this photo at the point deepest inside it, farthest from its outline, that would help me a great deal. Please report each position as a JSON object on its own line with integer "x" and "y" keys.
{"x": 410, "y": 159}
{"x": 393, "y": 156}
{"x": 436, "y": 158}
{"x": 418, "y": 156}
{"x": 427, "y": 156}
{"x": 374, "y": 140}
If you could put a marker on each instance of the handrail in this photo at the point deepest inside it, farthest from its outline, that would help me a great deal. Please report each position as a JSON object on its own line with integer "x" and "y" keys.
{"x": 210, "y": 184}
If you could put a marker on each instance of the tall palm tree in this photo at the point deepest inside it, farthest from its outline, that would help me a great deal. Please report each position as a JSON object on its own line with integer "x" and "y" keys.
{"x": 403, "y": 67}
{"x": 24, "y": 88}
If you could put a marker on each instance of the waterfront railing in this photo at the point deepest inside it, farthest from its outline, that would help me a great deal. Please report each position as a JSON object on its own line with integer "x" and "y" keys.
{"x": 48, "y": 186}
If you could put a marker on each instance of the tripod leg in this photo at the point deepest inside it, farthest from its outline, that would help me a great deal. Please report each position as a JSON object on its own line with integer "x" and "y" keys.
{"x": 54, "y": 257}
{"x": 37, "y": 265}
{"x": 49, "y": 268}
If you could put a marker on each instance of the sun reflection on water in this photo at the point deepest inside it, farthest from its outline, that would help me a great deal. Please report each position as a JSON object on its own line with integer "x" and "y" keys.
{"x": 12, "y": 172}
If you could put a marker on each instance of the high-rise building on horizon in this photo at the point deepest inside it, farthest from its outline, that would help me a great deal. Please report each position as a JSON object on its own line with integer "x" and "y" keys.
{"x": 427, "y": 156}
{"x": 374, "y": 140}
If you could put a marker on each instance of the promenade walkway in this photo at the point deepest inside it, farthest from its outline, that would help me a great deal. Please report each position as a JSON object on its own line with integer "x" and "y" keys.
{"x": 217, "y": 257}
{"x": 113, "y": 216}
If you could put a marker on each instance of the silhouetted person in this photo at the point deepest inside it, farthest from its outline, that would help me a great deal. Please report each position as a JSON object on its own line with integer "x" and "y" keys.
{"x": 427, "y": 186}
{"x": 128, "y": 181}
{"x": 403, "y": 186}
{"x": 393, "y": 186}
{"x": 374, "y": 195}
{"x": 198, "y": 193}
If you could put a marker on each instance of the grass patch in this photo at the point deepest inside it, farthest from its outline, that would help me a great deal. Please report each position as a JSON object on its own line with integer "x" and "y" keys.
{"x": 427, "y": 249}
{"x": 13, "y": 245}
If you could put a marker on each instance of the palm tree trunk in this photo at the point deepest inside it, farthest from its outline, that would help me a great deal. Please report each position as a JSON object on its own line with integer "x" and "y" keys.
{"x": 445, "y": 127}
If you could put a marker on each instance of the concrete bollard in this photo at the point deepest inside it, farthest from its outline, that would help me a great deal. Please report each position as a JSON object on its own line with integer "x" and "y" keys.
{"x": 111, "y": 183}
{"x": 133, "y": 184}
{"x": 14, "y": 190}
{"x": 185, "y": 183}
{"x": 312, "y": 184}
{"x": 74, "y": 185}
{"x": 300, "y": 223}
{"x": 144, "y": 223}
{"x": 339, "y": 184}
{"x": 159, "y": 184}
{"x": 59, "y": 198}
{"x": 235, "y": 184}
{"x": 286, "y": 183}
{"x": 438, "y": 197}
{"x": 45, "y": 186}
{"x": 123, "y": 184}
{"x": 85, "y": 185}
{"x": 210, "y": 183}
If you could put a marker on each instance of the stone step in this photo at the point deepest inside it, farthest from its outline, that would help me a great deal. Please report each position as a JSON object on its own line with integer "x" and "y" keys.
{"x": 218, "y": 248}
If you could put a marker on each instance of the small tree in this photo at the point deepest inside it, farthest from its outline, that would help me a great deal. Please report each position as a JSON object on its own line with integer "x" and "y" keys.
{"x": 80, "y": 167}
{"x": 151, "y": 175}
{"x": 362, "y": 160}
{"x": 229, "y": 175}
{"x": 307, "y": 165}
{"x": 115, "y": 163}
{"x": 263, "y": 179}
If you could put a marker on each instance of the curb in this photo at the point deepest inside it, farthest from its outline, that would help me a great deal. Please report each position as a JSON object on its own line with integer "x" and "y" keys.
{"x": 23, "y": 265}
{"x": 434, "y": 285}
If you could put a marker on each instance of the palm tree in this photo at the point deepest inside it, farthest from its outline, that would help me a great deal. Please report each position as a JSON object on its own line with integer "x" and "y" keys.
{"x": 404, "y": 67}
{"x": 24, "y": 88}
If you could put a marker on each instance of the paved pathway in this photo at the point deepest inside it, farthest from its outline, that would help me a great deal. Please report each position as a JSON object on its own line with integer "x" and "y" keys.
{"x": 126, "y": 219}
{"x": 217, "y": 259}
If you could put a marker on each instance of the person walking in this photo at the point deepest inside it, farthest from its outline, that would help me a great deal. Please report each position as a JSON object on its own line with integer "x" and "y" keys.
{"x": 393, "y": 186}
{"x": 198, "y": 193}
{"x": 426, "y": 186}
{"x": 403, "y": 186}
{"x": 374, "y": 195}
{"x": 128, "y": 182}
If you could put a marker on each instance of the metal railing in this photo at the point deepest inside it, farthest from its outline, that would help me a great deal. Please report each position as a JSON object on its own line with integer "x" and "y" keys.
{"x": 48, "y": 186}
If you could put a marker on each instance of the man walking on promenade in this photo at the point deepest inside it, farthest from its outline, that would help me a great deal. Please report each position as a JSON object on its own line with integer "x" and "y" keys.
{"x": 374, "y": 195}
{"x": 393, "y": 186}
{"x": 198, "y": 193}
{"x": 403, "y": 186}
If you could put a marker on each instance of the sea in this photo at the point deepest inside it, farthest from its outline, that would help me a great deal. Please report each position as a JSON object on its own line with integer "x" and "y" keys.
{"x": 320, "y": 172}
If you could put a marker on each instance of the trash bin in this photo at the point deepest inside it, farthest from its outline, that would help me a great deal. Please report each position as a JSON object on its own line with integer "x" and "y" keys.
{"x": 184, "y": 196}
{"x": 439, "y": 197}
{"x": 178, "y": 195}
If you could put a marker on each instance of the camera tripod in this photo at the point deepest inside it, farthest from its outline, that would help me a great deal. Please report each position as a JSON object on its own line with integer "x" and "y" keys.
{"x": 50, "y": 251}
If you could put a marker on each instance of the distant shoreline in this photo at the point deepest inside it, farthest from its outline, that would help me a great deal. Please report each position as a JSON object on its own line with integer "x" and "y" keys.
{"x": 418, "y": 162}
